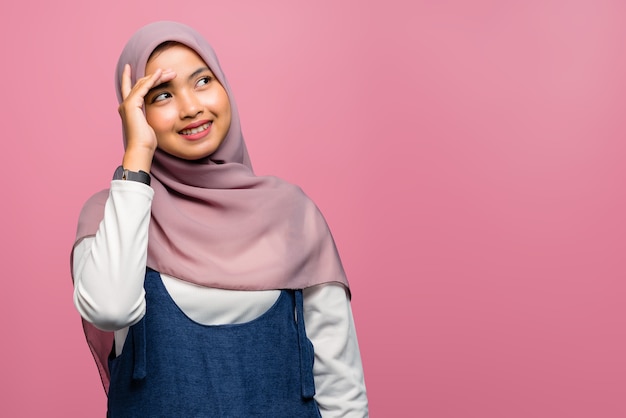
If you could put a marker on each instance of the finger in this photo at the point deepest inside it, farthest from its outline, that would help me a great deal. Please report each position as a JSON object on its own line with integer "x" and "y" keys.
{"x": 144, "y": 84}
{"x": 126, "y": 81}
{"x": 166, "y": 75}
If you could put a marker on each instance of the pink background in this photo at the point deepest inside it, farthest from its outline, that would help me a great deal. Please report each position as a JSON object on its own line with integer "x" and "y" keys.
{"x": 468, "y": 156}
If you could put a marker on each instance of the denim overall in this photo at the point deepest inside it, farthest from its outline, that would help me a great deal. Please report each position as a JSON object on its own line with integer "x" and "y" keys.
{"x": 172, "y": 366}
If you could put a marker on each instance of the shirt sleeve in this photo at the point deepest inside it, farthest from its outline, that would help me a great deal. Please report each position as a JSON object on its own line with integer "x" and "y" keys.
{"x": 338, "y": 371}
{"x": 109, "y": 269}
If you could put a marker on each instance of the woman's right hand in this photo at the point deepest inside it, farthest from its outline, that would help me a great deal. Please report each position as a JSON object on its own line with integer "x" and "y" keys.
{"x": 141, "y": 141}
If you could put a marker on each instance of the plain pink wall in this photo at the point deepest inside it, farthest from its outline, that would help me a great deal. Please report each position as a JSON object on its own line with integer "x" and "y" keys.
{"x": 469, "y": 158}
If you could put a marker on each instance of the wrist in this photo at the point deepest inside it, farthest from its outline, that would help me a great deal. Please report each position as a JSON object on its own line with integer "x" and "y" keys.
{"x": 138, "y": 159}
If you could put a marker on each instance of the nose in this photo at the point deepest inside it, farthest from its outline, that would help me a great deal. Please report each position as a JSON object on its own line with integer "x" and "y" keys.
{"x": 190, "y": 106}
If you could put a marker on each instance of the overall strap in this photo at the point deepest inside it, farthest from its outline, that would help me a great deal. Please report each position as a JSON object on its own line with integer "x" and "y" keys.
{"x": 139, "y": 350}
{"x": 306, "y": 350}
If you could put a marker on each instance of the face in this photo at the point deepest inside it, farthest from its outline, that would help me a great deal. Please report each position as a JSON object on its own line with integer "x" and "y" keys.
{"x": 190, "y": 114}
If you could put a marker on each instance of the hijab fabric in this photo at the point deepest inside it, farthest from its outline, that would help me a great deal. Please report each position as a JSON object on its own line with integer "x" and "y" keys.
{"x": 214, "y": 222}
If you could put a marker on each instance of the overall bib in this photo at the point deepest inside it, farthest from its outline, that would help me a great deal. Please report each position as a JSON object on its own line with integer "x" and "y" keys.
{"x": 172, "y": 366}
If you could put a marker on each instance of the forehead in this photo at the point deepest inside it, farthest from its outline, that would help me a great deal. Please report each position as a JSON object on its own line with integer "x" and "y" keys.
{"x": 176, "y": 56}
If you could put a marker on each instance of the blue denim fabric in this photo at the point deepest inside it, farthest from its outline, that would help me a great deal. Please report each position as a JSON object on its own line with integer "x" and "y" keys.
{"x": 172, "y": 366}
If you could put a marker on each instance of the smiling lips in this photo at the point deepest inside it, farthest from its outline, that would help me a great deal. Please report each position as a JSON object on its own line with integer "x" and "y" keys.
{"x": 196, "y": 131}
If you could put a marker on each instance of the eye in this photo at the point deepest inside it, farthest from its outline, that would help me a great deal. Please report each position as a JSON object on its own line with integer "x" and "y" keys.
{"x": 160, "y": 97}
{"x": 204, "y": 81}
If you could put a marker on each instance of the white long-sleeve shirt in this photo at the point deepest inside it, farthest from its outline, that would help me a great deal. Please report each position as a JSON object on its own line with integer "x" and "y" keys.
{"x": 109, "y": 271}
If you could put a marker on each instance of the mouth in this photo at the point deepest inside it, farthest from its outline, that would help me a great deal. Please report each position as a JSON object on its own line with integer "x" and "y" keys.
{"x": 195, "y": 130}
{"x": 193, "y": 133}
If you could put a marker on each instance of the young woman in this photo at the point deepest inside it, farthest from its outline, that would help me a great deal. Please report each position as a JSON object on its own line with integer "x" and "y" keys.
{"x": 206, "y": 290}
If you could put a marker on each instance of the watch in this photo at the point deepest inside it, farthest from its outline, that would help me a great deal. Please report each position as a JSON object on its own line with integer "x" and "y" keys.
{"x": 122, "y": 173}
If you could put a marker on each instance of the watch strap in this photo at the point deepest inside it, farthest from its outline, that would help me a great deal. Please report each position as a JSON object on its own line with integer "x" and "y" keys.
{"x": 122, "y": 173}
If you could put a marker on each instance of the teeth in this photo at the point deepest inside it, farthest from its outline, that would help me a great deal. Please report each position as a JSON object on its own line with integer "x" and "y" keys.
{"x": 196, "y": 130}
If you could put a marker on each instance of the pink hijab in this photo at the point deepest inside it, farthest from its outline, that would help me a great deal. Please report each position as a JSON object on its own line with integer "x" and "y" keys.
{"x": 214, "y": 222}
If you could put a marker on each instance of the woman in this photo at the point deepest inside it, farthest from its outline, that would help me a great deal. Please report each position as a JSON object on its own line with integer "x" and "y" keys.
{"x": 206, "y": 290}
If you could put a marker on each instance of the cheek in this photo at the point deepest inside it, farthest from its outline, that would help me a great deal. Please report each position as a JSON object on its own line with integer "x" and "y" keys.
{"x": 219, "y": 99}
{"x": 158, "y": 119}
{"x": 225, "y": 105}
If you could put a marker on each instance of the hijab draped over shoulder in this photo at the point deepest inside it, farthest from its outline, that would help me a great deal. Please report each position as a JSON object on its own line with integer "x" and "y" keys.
{"x": 214, "y": 222}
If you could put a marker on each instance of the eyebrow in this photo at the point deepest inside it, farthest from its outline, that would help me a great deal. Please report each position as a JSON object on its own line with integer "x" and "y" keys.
{"x": 167, "y": 84}
{"x": 198, "y": 72}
